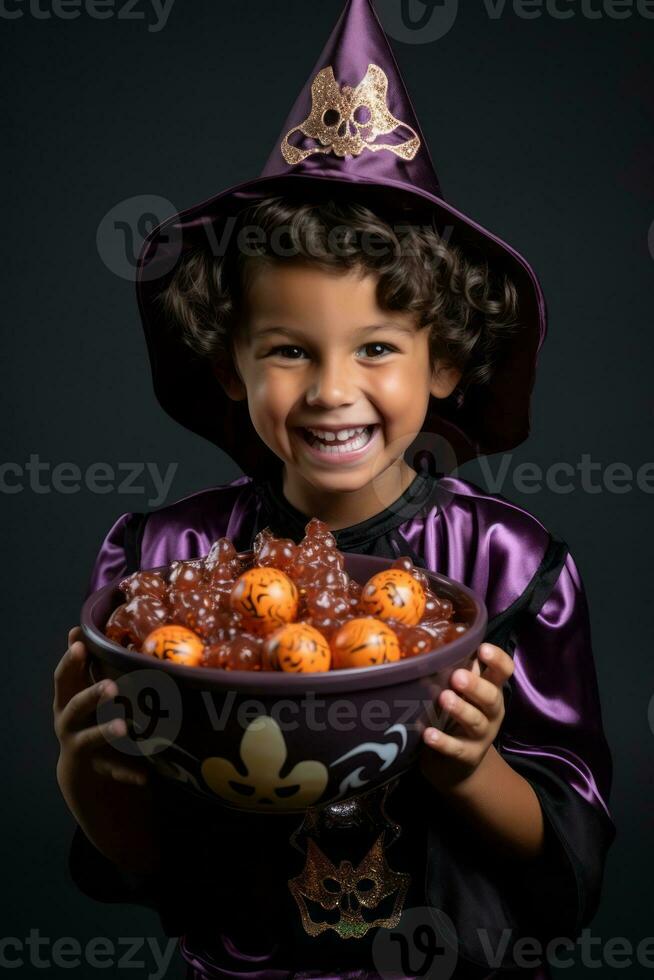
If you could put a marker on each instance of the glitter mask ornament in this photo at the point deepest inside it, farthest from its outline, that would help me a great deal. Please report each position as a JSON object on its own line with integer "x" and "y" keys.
{"x": 349, "y": 894}
{"x": 349, "y": 120}
{"x": 352, "y": 134}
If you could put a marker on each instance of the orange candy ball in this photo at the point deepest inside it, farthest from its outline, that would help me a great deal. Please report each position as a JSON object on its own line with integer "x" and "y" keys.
{"x": 176, "y": 643}
{"x": 364, "y": 642}
{"x": 266, "y": 598}
{"x": 394, "y": 594}
{"x": 298, "y": 648}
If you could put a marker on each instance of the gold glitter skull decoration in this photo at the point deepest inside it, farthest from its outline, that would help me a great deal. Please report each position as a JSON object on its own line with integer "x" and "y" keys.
{"x": 348, "y": 120}
{"x": 349, "y": 892}
{"x": 351, "y": 888}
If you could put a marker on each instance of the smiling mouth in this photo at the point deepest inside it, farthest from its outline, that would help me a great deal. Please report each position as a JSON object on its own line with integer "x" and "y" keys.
{"x": 337, "y": 446}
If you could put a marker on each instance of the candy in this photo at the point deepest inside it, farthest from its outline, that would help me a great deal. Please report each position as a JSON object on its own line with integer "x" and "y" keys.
{"x": 144, "y": 583}
{"x": 298, "y": 648}
{"x": 284, "y": 607}
{"x": 215, "y": 655}
{"x": 131, "y": 622}
{"x": 364, "y": 642}
{"x": 414, "y": 641}
{"x": 194, "y": 610}
{"x": 437, "y": 607}
{"x": 394, "y": 594}
{"x": 275, "y": 552}
{"x": 266, "y": 598}
{"x": 407, "y": 565}
{"x": 326, "y": 603}
{"x": 175, "y": 643}
{"x": 221, "y": 552}
{"x": 185, "y": 575}
{"x": 244, "y": 653}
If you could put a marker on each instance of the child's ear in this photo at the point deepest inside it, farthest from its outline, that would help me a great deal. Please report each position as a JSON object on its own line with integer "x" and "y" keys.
{"x": 444, "y": 379}
{"x": 228, "y": 376}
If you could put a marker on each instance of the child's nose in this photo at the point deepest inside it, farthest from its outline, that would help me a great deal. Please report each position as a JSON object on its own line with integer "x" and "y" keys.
{"x": 331, "y": 384}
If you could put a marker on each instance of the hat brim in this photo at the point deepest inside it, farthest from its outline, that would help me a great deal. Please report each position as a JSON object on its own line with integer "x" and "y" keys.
{"x": 493, "y": 418}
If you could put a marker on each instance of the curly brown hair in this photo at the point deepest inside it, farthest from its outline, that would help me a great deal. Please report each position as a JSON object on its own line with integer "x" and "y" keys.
{"x": 470, "y": 307}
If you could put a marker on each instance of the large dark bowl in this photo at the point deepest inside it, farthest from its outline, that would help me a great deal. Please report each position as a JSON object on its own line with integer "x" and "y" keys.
{"x": 273, "y": 741}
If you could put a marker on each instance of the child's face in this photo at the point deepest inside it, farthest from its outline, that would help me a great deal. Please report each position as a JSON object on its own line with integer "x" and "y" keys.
{"x": 317, "y": 350}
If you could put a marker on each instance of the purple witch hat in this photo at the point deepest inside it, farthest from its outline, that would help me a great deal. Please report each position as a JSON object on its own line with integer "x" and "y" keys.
{"x": 352, "y": 130}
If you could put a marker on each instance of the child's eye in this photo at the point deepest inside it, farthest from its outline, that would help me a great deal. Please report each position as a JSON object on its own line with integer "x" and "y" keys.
{"x": 293, "y": 347}
{"x": 283, "y": 347}
{"x": 379, "y": 344}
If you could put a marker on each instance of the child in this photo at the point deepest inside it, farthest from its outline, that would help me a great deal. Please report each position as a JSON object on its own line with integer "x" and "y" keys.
{"x": 503, "y": 829}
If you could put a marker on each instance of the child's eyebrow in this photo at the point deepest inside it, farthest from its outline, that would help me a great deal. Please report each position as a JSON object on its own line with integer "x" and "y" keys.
{"x": 400, "y": 327}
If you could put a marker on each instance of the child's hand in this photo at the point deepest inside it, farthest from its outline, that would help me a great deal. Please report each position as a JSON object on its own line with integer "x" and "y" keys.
{"x": 477, "y": 705}
{"x": 108, "y": 793}
{"x": 85, "y": 746}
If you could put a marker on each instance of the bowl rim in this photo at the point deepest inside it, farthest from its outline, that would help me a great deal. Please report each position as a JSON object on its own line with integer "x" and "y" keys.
{"x": 280, "y": 682}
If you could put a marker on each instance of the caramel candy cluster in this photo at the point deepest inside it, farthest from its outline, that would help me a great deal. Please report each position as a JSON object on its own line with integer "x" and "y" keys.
{"x": 289, "y": 607}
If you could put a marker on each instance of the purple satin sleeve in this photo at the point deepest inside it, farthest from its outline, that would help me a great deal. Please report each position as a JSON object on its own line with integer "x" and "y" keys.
{"x": 552, "y": 735}
{"x": 110, "y": 560}
{"x": 555, "y": 714}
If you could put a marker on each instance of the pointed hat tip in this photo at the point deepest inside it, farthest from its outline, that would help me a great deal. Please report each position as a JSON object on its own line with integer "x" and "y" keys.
{"x": 354, "y": 118}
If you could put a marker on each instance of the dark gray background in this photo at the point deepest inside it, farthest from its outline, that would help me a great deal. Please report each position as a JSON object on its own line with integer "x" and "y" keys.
{"x": 540, "y": 129}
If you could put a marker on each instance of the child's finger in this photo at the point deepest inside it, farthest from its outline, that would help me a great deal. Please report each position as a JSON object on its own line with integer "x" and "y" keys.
{"x": 447, "y": 745}
{"x": 97, "y": 736}
{"x": 472, "y": 720}
{"x": 478, "y": 691}
{"x": 70, "y": 676}
{"x": 499, "y": 665}
{"x": 77, "y": 713}
{"x": 74, "y": 633}
{"x": 119, "y": 769}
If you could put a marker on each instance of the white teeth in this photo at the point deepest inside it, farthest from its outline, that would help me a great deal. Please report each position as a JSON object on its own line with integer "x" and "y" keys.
{"x": 358, "y": 441}
{"x": 342, "y": 434}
